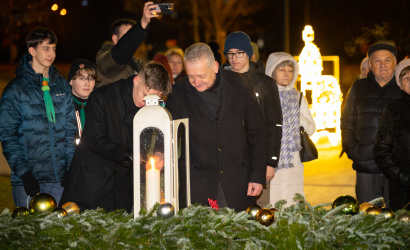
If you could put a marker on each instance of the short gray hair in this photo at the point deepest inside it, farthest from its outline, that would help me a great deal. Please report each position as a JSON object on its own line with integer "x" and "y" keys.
{"x": 198, "y": 51}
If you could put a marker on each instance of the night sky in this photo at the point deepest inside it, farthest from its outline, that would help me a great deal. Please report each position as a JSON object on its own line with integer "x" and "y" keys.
{"x": 336, "y": 23}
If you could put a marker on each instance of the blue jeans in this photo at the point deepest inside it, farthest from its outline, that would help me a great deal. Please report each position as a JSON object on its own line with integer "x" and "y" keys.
{"x": 21, "y": 199}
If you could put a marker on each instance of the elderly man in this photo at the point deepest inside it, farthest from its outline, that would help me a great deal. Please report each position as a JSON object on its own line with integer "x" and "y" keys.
{"x": 228, "y": 144}
{"x": 360, "y": 119}
{"x": 238, "y": 50}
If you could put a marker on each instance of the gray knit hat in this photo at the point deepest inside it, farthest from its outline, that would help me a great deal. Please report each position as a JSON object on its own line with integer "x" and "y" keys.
{"x": 239, "y": 40}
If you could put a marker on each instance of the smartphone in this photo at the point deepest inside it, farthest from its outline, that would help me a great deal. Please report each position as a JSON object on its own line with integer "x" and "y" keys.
{"x": 166, "y": 8}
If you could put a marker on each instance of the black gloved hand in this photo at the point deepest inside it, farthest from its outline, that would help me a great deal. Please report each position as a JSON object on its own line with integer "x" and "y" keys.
{"x": 30, "y": 184}
{"x": 128, "y": 159}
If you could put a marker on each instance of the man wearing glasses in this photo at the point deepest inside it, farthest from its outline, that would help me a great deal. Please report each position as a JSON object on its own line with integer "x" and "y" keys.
{"x": 238, "y": 50}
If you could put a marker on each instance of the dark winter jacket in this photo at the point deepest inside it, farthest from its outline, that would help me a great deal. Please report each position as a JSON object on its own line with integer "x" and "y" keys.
{"x": 392, "y": 150}
{"x": 231, "y": 149}
{"x": 100, "y": 174}
{"x": 360, "y": 119}
{"x": 30, "y": 141}
{"x": 268, "y": 97}
{"x": 115, "y": 62}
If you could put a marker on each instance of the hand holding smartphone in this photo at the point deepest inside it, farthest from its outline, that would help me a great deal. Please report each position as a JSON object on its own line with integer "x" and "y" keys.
{"x": 164, "y": 9}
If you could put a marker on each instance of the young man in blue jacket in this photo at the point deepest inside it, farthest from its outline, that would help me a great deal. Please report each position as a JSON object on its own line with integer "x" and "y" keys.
{"x": 37, "y": 122}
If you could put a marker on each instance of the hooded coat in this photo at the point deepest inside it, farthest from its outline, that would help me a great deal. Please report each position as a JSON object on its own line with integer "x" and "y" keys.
{"x": 306, "y": 119}
{"x": 29, "y": 140}
{"x": 392, "y": 146}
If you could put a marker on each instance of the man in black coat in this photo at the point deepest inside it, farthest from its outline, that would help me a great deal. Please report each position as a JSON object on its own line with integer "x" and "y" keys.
{"x": 101, "y": 174}
{"x": 360, "y": 118}
{"x": 238, "y": 50}
{"x": 228, "y": 143}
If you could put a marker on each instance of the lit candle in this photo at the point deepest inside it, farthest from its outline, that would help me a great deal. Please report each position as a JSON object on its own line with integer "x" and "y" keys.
{"x": 152, "y": 184}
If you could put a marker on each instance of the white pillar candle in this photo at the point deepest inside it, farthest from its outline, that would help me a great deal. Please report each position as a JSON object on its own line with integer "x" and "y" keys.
{"x": 152, "y": 184}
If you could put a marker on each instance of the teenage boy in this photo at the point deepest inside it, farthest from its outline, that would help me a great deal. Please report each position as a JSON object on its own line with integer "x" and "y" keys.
{"x": 37, "y": 122}
{"x": 82, "y": 78}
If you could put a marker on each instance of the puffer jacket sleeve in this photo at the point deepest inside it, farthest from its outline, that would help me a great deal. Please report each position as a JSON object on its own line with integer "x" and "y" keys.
{"x": 347, "y": 125}
{"x": 383, "y": 150}
{"x": 11, "y": 119}
{"x": 306, "y": 119}
{"x": 70, "y": 125}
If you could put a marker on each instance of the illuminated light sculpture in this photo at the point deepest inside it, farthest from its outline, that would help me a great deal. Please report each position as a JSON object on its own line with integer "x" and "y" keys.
{"x": 322, "y": 91}
{"x": 161, "y": 158}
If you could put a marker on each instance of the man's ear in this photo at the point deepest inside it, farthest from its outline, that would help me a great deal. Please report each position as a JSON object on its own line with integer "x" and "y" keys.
{"x": 136, "y": 80}
{"x": 114, "y": 39}
{"x": 216, "y": 67}
{"x": 32, "y": 51}
{"x": 71, "y": 82}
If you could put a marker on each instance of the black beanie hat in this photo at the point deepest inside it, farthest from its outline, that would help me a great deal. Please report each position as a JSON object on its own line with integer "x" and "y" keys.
{"x": 383, "y": 46}
{"x": 239, "y": 40}
{"x": 76, "y": 65}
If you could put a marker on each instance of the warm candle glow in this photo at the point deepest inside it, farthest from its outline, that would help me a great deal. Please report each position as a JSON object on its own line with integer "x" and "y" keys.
{"x": 63, "y": 12}
{"x": 152, "y": 184}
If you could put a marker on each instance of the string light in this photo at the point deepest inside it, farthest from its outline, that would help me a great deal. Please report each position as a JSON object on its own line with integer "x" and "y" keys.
{"x": 54, "y": 7}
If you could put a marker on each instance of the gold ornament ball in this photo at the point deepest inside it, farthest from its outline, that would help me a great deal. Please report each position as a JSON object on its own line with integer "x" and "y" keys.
{"x": 71, "y": 208}
{"x": 253, "y": 210}
{"x": 404, "y": 217}
{"x": 42, "y": 202}
{"x": 165, "y": 210}
{"x": 265, "y": 217}
{"x": 373, "y": 211}
{"x": 353, "y": 206}
{"x": 60, "y": 212}
{"x": 387, "y": 212}
{"x": 364, "y": 206}
{"x": 20, "y": 211}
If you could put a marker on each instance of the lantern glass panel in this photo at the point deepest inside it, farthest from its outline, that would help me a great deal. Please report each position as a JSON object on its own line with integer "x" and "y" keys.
{"x": 182, "y": 194}
{"x": 152, "y": 180}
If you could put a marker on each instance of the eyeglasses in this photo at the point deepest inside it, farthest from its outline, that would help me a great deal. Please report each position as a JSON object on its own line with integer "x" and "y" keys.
{"x": 90, "y": 79}
{"x": 238, "y": 54}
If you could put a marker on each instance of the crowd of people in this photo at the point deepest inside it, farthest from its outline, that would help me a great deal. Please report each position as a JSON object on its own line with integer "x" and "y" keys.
{"x": 72, "y": 138}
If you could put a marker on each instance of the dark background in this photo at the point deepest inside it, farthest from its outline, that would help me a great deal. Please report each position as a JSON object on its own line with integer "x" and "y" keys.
{"x": 343, "y": 28}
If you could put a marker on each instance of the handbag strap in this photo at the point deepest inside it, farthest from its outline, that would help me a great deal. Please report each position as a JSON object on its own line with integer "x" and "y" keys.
{"x": 300, "y": 98}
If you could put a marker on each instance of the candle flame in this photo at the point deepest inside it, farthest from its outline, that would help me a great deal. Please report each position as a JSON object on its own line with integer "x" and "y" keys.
{"x": 152, "y": 162}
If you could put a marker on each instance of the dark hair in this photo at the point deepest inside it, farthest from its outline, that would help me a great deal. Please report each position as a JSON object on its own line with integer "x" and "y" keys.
{"x": 156, "y": 77}
{"x": 39, "y": 35}
{"x": 115, "y": 27}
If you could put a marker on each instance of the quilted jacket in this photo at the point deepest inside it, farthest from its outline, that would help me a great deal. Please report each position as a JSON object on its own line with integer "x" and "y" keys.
{"x": 29, "y": 140}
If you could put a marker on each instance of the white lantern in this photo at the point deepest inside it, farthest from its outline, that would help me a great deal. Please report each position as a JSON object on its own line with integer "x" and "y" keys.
{"x": 159, "y": 145}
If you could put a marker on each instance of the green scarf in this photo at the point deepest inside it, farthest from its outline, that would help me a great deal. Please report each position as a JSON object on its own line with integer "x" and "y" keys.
{"x": 51, "y": 114}
{"x": 82, "y": 112}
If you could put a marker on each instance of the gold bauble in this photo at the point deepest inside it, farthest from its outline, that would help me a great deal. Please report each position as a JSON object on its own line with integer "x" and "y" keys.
{"x": 253, "y": 210}
{"x": 373, "y": 211}
{"x": 364, "y": 206}
{"x": 353, "y": 206}
{"x": 42, "y": 202}
{"x": 265, "y": 217}
{"x": 404, "y": 217}
{"x": 71, "y": 208}
{"x": 165, "y": 210}
{"x": 60, "y": 212}
{"x": 387, "y": 212}
{"x": 20, "y": 211}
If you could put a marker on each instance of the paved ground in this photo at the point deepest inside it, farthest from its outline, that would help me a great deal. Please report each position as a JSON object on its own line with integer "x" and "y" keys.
{"x": 325, "y": 178}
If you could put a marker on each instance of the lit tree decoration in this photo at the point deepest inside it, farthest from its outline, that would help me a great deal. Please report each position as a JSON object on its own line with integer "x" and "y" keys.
{"x": 324, "y": 90}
